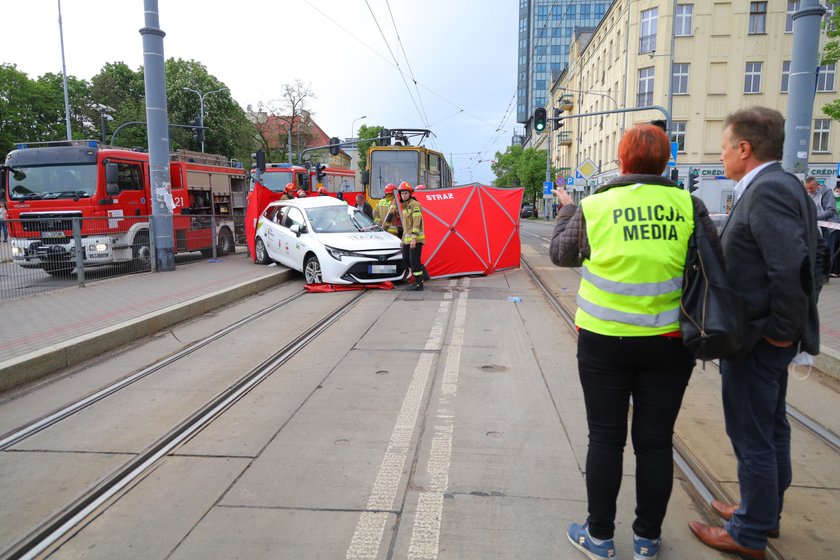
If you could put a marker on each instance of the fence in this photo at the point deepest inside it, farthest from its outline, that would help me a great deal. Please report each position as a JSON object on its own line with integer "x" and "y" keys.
{"x": 45, "y": 251}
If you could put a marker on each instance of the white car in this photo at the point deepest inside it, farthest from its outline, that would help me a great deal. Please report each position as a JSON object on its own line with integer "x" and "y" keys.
{"x": 329, "y": 241}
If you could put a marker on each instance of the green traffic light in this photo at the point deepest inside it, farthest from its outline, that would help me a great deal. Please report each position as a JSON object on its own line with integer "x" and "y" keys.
{"x": 539, "y": 119}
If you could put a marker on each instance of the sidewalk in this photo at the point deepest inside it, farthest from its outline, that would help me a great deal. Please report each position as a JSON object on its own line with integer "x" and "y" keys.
{"x": 45, "y": 332}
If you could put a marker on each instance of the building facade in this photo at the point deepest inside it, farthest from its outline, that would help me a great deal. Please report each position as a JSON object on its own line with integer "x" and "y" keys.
{"x": 701, "y": 61}
{"x": 545, "y": 29}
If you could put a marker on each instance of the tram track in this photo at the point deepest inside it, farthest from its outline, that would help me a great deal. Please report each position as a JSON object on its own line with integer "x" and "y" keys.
{"x": 54, "y": 530}
{"x": 702, "y": 483}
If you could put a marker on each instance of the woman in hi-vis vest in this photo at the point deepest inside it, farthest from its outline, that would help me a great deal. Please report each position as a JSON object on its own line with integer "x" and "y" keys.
{"x": 630, "y": 239}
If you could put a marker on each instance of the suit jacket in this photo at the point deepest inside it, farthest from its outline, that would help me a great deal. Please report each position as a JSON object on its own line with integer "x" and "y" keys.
{"x": 770, "y": 246}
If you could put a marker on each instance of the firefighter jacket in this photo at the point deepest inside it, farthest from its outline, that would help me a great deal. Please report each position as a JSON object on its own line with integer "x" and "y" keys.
{"x": 413, "y": 222}
{"x": 380, "y": 213}
{"x": 632, "y": 282}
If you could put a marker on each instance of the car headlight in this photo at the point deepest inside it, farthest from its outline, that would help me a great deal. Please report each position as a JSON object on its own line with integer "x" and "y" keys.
{"x": 98, "y": 248}
{"x": 338, "y": 253}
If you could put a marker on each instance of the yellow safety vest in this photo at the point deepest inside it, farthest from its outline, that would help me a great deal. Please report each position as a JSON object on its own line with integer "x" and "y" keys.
{"x": 632, "y": 282}
{"x": 413, "y": 222}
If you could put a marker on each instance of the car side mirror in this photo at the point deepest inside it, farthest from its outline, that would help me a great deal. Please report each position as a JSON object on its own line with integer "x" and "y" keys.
{"x": 112, "y": 178}
{"x": 298, "y": 229}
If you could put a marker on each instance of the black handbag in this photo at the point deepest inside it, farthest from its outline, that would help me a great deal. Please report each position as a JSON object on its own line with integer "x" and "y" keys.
{"x": 711, "y": 312}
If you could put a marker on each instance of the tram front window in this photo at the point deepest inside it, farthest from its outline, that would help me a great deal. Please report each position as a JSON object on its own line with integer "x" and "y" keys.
{"x": 392, "y": 166}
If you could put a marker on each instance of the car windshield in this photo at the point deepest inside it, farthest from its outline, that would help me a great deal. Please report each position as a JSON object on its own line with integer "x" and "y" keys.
{"x": 340, "y": 219}
{"x": 55, "y": 181}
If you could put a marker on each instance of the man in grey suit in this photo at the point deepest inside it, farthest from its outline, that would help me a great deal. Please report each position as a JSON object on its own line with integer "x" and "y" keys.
{"x": 770, "y": 244}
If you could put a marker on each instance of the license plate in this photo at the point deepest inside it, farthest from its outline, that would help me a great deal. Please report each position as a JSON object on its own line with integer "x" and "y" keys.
{"x": 382, "y": 269}
{"x": 52, "y": 234}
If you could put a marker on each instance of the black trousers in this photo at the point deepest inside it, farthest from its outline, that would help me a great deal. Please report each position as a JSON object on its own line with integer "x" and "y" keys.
{"x": 414, "y": 257}
{"x": 654, "y": 371}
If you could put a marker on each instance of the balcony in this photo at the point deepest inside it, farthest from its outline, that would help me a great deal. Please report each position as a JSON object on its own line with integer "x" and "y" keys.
{"x": 564, "y": 138}
{"x": 566, "y": 101}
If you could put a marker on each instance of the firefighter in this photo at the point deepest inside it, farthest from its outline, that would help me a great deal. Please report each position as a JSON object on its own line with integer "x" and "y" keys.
{"x": 322, "y": 191}
{"x": 289, "y": 192}
{"x": 301, "y": 194}
{"x": 382, "y": 210}
{"x": 413, "y": 236}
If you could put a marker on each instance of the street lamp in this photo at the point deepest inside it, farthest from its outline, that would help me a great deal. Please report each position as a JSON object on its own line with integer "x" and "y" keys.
{"x": 103, "y": 116}
{"x": 201, "y": 97}
{"x": 353, "y": 126}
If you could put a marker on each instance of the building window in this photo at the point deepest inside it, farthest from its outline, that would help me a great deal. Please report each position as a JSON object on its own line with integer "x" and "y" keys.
{"x": 678, "y": 135}
{"x": 539, "y": 67}
{"x": 785, "y": 76}
{"x": 679, "y": 80}
{"x": 752, "y": 78}
{"x": 793, "y": 6}
{"x": 684, "y": 17}
{"x": 822, "y": 130}
{"x": 645, "y": 97}
{"x": 647, "y": 34}
{"x": 825, "y": 77}
{"x": 758, "y": 17}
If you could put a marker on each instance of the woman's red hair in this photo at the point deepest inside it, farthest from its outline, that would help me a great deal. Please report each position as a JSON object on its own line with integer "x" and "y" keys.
{"x": 644, "y": 149}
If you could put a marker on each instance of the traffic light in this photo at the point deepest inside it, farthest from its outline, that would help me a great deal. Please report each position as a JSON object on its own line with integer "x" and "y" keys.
{"x": 199, "y": 130}
{"x": 385, "y": 137}
{"x": 319, "y": 172}
{"x": 335, "y": 146}
{"x": 539, "y": 119}
{"x": 675, "y": 175}
{"x": 693, "y": 179}
{"x": 259, "y": 157}
{"x": 558, "y": 122}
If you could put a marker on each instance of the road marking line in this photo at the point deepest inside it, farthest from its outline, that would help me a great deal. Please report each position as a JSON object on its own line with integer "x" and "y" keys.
{"x": 371, "y": 525}
{"x": 425, "y": 535}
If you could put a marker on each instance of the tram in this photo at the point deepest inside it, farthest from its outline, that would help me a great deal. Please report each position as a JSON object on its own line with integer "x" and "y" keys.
{"x": 401, "y": 161}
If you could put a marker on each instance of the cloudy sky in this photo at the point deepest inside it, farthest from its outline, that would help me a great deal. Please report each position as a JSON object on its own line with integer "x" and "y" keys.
{"x": 446, "y": 65}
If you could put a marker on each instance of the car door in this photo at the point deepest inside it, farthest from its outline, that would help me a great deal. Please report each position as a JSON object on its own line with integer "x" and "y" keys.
{"x": 292, "y": 246}
{"x": 270, "y": 231}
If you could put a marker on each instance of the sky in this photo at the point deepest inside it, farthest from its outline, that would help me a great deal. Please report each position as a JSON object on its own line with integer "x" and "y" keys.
{"x": 445, "y": 65}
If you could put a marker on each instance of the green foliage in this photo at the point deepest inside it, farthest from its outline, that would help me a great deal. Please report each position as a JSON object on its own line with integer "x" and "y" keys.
{"x": 521, "y": 167}
{"x": 831, "y": 51}
{"x": 363, "y": 146}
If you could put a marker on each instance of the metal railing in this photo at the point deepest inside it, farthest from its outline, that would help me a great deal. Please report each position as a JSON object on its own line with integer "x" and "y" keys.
{"x": 46, "y": 251}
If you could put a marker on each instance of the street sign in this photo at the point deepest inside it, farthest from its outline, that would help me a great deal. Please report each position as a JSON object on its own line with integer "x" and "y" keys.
{"x": 570, "y": 181}
{"x": 547, "y": 186}
{"x": 586, "y": 169}
{"x": 673, "y": 161}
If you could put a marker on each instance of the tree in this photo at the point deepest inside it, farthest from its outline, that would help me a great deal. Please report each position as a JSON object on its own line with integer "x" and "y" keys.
{"x": 831, "y": 52}
{"x": 365, "y": 135}
{"x": 523, "y": 167}
{"x": 283, "y": 122}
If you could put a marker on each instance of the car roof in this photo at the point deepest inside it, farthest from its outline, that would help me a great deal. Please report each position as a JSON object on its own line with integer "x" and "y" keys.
{"x": 310, "y": 202}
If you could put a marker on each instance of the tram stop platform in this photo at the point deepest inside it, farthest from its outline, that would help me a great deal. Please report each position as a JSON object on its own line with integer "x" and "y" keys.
{"x": 42, "y": 333}
{"x": 49, "y": 331}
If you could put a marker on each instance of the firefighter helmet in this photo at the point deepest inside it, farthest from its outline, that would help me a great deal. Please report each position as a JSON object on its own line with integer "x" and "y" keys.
{"x": 290, "y": 188}
{"x": 420, "y": 187}
{"x": 405, "y": 186}
{"x": 390, "y": 188}
{"x": 322, "y": 191}
{"x": 301, "y": 194}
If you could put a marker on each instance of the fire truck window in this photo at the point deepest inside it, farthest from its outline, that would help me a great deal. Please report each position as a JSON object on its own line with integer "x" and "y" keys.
{"x": 348, "y": 184}
{"x": 130, "y": 178}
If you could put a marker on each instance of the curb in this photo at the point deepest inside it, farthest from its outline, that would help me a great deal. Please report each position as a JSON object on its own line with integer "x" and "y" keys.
{"x": 39, "y": 363}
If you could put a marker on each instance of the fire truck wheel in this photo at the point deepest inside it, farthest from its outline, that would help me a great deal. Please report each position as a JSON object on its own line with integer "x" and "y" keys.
{"x": 226, "y": 244}
{"x": 260, "y": 252}
{"x": 312, "y": 270}
{"x": 141, "y": 252}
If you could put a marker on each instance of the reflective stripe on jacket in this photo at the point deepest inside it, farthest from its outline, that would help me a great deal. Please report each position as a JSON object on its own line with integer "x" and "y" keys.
{"x": 632, "y": 283}
{"x": 380, "y": 213}
{"x": 413, "y": 222}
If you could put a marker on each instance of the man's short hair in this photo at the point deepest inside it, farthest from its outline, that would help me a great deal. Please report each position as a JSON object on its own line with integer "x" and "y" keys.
{"x": 810, "y": 179}
{"x": 763, "y": 128}
{"x": 360, "y": 198}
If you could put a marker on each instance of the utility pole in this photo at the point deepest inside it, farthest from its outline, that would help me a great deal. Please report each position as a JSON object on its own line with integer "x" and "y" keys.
{"x": 800, "y": 108}
{"x": 162, "y": 240}
{"x": 64, "y": 75}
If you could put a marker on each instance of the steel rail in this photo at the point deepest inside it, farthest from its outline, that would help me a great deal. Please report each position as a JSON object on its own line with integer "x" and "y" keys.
{"x": 57, "y": 527}
{"x": 28, "y": 430}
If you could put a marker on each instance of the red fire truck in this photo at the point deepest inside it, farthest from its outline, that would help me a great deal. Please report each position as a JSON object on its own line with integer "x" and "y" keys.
{"x": 103, "y": 194}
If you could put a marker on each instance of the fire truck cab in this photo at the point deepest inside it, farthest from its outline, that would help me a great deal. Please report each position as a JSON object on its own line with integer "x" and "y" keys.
{"x": 60, "y": 193}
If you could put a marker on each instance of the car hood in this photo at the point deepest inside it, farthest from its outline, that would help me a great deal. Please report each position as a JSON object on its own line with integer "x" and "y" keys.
{"x": 360, "y": 241}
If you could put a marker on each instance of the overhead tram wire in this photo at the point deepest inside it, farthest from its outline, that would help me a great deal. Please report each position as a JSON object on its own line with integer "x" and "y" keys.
{"x": 396, "y": 62}
{"x": 407, "y": 63}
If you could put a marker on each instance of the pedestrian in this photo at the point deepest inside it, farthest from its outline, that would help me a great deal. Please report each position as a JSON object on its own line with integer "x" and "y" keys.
{"x": 413, "y": 236}
{"x": 770, "y": 241}
{"x": 362, "y": 205}
{"x": 382, "y": 215}
{"x": 4, "y": 215}
{"x": 631, "y": 239}
{"x": 826, "y": 206}
{"x": 554, "y": 209}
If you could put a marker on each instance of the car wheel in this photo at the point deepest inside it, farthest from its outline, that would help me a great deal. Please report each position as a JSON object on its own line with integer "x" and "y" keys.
{"x": 261, "y": 253}
{"x": 312, "y": 270}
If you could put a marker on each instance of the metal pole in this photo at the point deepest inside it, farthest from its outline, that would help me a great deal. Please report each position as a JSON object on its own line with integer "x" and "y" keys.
{"x": 102, "y": 117}
{"x": 290, "y": 139}
{"x": 549, "y": 132}
{"x": 158, "y": 132}
{"x": 668, "y": 123}
{"x": 64, "y": 75}
{"x": 201, "y": 118}
{"x": 802, "y": 86}
{"x": 353, "y": 126}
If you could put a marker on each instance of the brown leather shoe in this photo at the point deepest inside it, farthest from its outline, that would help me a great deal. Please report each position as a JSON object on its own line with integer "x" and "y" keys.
{"x": 719, "y": 539}
{"x": 725, "y": 511}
